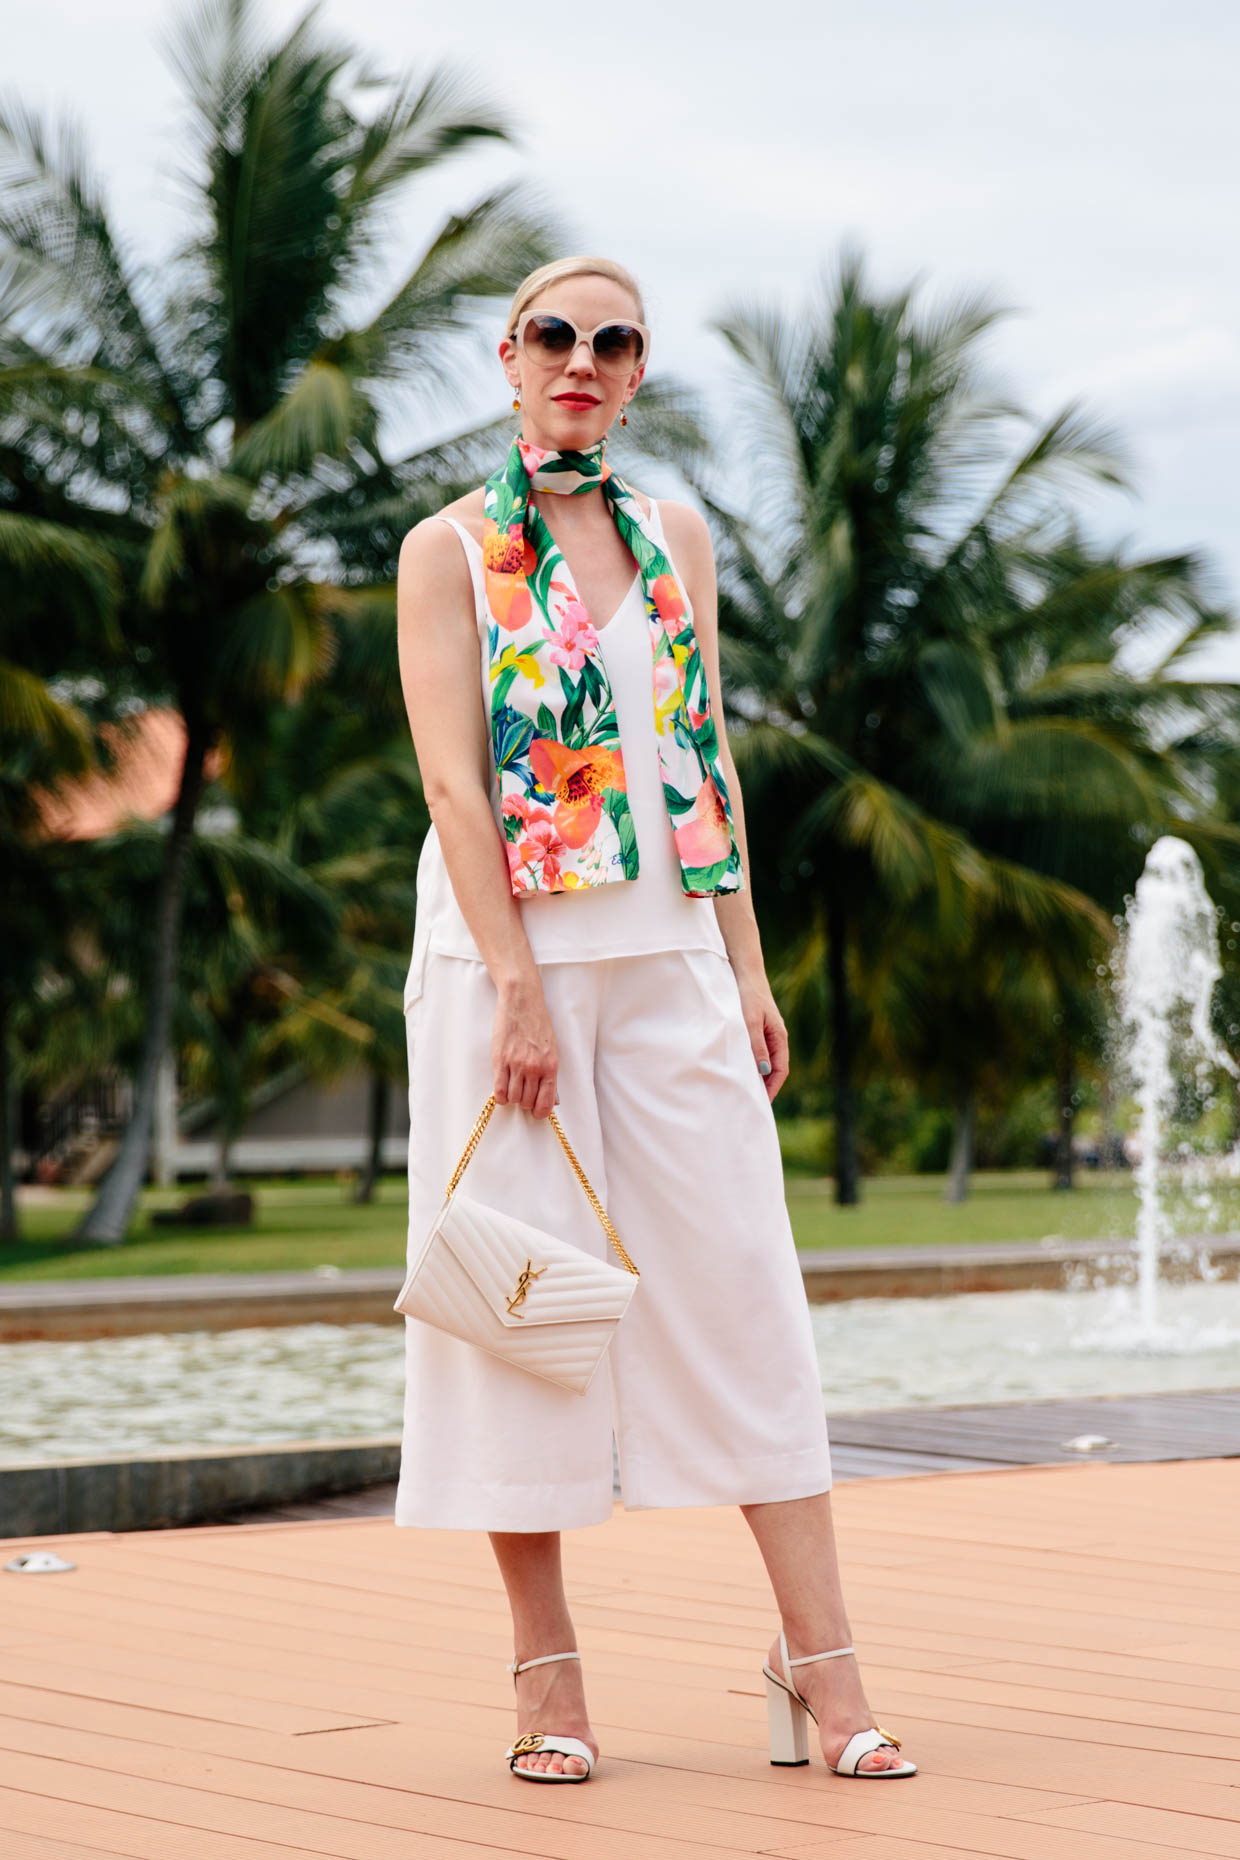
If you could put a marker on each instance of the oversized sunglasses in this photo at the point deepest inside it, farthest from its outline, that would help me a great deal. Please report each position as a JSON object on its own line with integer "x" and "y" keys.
{"x": 548, "y": 340}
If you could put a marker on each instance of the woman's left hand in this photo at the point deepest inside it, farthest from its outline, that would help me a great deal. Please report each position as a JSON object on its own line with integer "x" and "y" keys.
{"x": 767, "y": 1034}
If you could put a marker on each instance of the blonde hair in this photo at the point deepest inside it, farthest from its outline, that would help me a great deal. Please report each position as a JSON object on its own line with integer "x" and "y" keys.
{"x": 580, "y": 267}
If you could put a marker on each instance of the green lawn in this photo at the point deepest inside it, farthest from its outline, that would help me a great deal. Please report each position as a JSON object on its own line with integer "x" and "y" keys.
{"x": 304, "y": 1224}
{"x": 909, "y": 1210}
{"x": 298, "y": 1225}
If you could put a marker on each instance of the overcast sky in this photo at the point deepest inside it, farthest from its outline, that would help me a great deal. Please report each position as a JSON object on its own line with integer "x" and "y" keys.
{"x": 1076, "y": 161}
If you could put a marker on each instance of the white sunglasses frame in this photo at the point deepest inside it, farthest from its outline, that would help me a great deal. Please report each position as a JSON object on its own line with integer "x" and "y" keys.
{"x": 582, "y": 335}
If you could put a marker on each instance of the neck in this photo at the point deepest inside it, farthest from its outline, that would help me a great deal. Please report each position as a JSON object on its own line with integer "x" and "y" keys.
{"x": 568, "y": 471}
{"x": 530, "y": 435}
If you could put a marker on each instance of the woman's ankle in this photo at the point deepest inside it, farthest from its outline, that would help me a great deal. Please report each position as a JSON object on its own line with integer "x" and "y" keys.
{"x": 533, "y": 1643}
{"x": 815, "y": 1634}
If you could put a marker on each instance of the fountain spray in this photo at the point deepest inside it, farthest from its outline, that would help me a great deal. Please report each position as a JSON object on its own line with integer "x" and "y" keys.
{"x": 1168, "y": 966}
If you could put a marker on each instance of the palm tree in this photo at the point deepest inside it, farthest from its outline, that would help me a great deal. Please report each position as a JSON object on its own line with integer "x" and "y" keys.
{"x": 46, "y": 739}
{"x": 1106, "y": 757}
{"x": 329, "y": 798}
{"x": 212, "y": 421}
{"x": 894, "y": 575}
{"x": 45, "y": 899}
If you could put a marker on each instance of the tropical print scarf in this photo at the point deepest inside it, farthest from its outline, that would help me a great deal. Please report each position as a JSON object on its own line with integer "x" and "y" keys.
{"x": 558, "y": 760}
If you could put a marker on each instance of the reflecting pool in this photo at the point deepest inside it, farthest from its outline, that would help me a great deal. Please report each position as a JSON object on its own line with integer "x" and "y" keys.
{"x": 327, "y": 1381}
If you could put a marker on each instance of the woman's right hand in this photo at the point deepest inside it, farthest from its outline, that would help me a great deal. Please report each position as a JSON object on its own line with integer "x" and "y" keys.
{"x": 524, "y": 1056}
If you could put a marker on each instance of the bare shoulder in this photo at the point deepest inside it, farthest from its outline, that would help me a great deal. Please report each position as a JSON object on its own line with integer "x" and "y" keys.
{"x": 435, "y": 585}
{"x": 431, "y": 541}
{"x": 686, "y": 529}
{"x": 468, "y": 511}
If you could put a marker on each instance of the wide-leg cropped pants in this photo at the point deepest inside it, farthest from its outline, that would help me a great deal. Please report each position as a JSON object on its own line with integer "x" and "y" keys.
{"x": 710, "y": 1383}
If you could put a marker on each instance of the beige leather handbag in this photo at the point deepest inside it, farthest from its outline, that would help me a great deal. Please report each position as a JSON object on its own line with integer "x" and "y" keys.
{"x": 514, "y": 1290}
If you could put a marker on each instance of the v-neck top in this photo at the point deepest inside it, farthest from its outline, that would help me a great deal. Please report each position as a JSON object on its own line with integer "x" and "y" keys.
{"x": 626, "y": 917}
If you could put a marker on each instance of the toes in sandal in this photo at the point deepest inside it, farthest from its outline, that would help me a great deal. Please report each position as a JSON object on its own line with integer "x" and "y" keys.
{"x": 787, "y": 1713}
{"x": 544, "y": 1740}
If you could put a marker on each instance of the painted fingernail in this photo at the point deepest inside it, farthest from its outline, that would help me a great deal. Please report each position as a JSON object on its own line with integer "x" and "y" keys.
{"x": 764, "y": 1066}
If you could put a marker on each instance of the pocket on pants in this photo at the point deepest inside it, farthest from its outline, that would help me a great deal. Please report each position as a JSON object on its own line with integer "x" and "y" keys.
{"x": 415, "y": 979}
{"x": 416, "y": 1004}
{"x": 728, "y": 1036}
{"x": 717, "y": 980}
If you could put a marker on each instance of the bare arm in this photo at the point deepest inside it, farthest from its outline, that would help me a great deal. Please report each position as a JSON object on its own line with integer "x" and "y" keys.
{"x": 441, "y": 678}
{"x": 689, "y": 535}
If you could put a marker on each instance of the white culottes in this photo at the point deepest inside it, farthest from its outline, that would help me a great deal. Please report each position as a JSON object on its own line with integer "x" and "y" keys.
{"x": 710, "y": 1383}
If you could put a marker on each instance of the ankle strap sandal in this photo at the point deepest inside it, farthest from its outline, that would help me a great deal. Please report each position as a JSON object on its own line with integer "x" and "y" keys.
{"x": 547, "y": 1740}
{"x": 787, "y": 1714}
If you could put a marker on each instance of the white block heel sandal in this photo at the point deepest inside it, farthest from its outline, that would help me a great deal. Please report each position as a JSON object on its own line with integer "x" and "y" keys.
{"x": 787, "y": 1714}
{"x": 545, "y": 1740}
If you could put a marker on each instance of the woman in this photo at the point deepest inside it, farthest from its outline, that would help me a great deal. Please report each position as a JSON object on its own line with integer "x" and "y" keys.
{"x": 585, "y": 936}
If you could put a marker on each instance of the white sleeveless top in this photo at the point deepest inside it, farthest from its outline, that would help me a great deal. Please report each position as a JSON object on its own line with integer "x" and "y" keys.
{"x": 623, "y": 917}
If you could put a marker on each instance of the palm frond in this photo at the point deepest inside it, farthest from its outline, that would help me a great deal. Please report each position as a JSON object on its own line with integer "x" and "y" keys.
{"x": 417, "y": 126}
{"x": 274, "y": 645}
{"x": 414, "y": 338}
{"x": 320, "y": 416}
{"x": 31, "y": 714}
{"x": 188, "y": 506}
{"x": 65, "y": 261}
{"x": 49, "y": 563}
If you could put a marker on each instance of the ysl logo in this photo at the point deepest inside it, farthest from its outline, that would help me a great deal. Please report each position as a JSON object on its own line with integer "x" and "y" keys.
{"x": 517, "y": 1296}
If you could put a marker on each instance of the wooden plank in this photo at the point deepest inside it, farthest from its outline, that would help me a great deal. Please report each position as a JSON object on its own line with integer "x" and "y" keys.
{"x": 132, "y": 1831}
{"x": 820, "y": 1800}
{"x": 1191, "y": 1694}
{"x": 887, "y": 1847}
{"x": 229, "y": 1706}
{"x": 442, "y": 1806}
{"x": 1190, "y": 1833}
{"x": 42, "y": 1847}
{"x": 381, "y": 1757}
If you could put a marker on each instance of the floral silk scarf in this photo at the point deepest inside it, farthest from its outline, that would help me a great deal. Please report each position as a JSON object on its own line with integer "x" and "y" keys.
{"x": 558, "y": 760}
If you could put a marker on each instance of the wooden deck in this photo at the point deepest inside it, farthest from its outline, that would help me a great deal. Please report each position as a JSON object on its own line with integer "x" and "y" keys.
{"x": 1057, "y": 1646}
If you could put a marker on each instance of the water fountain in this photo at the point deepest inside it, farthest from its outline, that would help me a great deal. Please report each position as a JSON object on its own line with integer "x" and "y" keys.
{"x": 1168, "y": 964}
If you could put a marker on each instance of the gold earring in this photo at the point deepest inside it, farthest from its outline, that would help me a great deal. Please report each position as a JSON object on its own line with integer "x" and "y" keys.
{"x": 624, "y": 418}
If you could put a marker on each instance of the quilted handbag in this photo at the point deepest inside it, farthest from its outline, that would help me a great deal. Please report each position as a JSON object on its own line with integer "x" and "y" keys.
{"x": 514, "y": 1290}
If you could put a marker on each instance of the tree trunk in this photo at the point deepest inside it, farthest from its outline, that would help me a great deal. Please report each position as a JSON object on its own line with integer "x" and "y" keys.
{"x": 378, "y": 1104}
{"x": 847, "y": 1174}
{"x": 1065, "y": 1088}
{"x": 164, "y": 1128}
{"x": 107, "y": 1220}
{"x": 8, "y": 1132}
{"x": 962, "y": 1147}
{"x": 223, "y": 1157}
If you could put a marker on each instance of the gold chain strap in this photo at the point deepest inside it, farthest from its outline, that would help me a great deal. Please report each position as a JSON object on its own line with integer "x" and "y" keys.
{"x": 471, "y": 1145}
